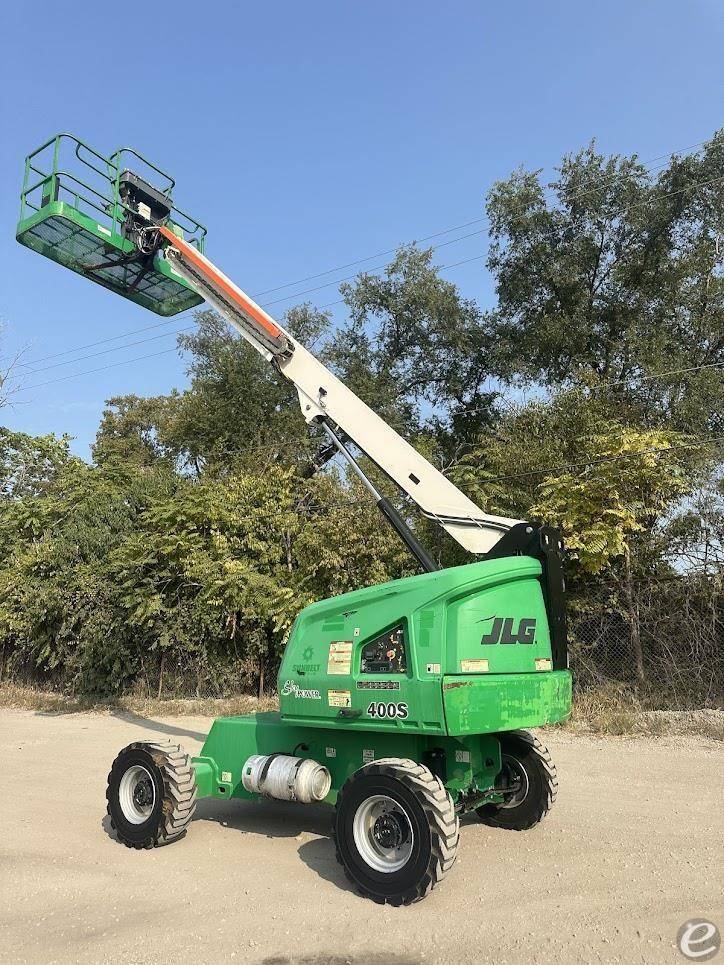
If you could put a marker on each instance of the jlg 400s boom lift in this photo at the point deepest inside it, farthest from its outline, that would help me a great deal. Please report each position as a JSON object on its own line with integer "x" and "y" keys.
{"x": 403, "y": 704}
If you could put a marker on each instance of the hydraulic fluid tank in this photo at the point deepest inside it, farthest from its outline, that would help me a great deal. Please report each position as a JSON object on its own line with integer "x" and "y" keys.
{"x": 286, "y": 778}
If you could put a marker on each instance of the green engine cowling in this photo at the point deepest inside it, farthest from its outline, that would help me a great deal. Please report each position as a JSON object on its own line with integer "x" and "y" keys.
{"x": 468, "y": 651}
{"x": 433, "y": 668}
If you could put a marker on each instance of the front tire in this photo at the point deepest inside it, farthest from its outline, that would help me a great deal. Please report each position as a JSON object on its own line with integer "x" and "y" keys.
{"x": 396, "y": 831}
{"x": 151, "y": 794}
{"x": 527, "y": 765}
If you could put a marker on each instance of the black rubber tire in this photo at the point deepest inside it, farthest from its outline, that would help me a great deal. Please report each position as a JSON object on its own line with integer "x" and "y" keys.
{"x": 432, "y": 815}
{"x": 175, "y": 794}
{"x": 540, "y": 771}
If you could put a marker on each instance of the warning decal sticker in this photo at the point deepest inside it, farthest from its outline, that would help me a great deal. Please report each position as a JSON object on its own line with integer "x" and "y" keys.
{"x": 339, "y": 698}
{"x": 340, "y": 657}
{"x": 474, "y": 666}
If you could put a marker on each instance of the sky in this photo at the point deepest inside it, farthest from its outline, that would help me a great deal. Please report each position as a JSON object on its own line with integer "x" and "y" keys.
{"x": 307, "y": 136}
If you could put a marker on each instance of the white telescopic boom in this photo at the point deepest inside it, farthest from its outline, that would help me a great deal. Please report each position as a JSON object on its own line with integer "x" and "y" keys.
{"x": 323, "y": 396}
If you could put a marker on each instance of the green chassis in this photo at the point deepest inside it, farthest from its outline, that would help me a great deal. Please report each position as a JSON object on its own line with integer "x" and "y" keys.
{"x": 454, "y": 718}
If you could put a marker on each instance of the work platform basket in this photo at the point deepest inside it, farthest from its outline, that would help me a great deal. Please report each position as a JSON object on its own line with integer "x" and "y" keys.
{"x": 76, "y": 208}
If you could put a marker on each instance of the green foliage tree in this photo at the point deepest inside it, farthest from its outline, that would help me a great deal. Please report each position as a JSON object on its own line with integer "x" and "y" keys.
{"x": 614, "y": 276}
{"x": 413, "y": 343}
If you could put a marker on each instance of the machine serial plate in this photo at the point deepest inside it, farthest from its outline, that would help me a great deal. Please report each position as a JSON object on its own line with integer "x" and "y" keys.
{"x": 378, "y": 685}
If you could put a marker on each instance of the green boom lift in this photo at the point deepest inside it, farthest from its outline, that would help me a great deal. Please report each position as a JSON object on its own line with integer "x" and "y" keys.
{"x": 404, "y": 704}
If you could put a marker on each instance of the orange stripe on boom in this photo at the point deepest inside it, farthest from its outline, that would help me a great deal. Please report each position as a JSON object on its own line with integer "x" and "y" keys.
{"x": 213, "y": 276}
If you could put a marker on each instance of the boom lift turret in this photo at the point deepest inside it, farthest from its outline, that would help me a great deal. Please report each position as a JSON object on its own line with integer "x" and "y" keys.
{"x": 401, "y": 703}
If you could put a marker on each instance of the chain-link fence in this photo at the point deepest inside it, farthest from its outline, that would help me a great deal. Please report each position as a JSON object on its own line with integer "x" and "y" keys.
{"x": 662, "y": 637}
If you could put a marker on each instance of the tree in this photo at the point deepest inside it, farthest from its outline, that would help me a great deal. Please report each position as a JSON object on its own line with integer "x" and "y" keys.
{"x": 632, "y": 480}
{"x": 413, "y": 342}
{"x": 7, "y": 369}
{"x": 237, "y": 401}
{"x": 212, "y": 515}
{"x": 134, "y": 432}
{"x": 601, "y": 482}
{"x": 616, "y": 276}
{"x": 607, "y": 490}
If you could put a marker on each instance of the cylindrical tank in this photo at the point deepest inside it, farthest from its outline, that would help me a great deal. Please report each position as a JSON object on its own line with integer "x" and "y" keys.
{"x": 286, "y": 778}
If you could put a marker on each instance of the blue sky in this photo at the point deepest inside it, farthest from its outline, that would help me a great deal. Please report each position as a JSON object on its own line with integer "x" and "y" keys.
{"x": 308, "y": 135}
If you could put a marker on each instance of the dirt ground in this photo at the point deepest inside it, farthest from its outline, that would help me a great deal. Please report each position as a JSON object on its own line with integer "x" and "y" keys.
{"x": 633, "y": 847}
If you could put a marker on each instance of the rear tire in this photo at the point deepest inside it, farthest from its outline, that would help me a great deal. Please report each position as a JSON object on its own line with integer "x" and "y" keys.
{"x": 526, "y": 760}
{"x": 151, "y": 794}
{"x": 396, "y": 831}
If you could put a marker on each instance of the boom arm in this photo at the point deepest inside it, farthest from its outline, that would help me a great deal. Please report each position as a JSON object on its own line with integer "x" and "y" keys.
{"x": 322, "y": 396}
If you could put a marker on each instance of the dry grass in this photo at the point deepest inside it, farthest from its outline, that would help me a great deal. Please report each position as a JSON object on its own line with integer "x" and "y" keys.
{"x": 28, "y": 698}
{"x": 615, "y": 710}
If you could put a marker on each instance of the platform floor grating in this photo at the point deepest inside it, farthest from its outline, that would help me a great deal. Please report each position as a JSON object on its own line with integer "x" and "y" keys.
{"x": 81, "y": 250}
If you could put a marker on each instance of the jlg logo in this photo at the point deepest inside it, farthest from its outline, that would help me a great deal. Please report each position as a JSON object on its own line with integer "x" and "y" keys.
{"x": 502, "y": 631}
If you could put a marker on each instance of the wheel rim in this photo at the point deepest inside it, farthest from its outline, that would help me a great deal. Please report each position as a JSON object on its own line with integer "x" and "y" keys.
{"x": 516, "y": 772}
{"x": 137, "y": 794}
{"x": 383, "y": 833}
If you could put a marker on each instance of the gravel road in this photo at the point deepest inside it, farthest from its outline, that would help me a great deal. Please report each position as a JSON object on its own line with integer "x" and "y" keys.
{"x": 632, "y": 848}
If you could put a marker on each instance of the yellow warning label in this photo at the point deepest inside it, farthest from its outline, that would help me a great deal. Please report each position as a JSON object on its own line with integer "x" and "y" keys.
{"x": 543, "y": 663}
{"x": 339, "y": 698}
{"x": 474, "y": 666}
{"x": 340, "y": 657}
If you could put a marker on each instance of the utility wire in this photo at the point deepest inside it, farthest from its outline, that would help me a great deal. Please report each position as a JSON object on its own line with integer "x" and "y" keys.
{"x": 105, "y": 351}
{"x": 102, "y": 368}
{"x": 175, "y": 332}
{"x": 647, "y": 165}
{"x": 390, "y": 251}
{"x": 550, "y": 233}
{"x": 338, "y": 281}
{"x": 104, "y": 341}
{"x": 153, "y": 338}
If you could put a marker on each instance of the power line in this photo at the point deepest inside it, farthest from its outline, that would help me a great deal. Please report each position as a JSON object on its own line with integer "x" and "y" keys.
{"x": 153, "y": 355}
{"x": 102, "y": 368}
{"x": 549, "y": 233}
{"x": 390, "y": 251}
{"x": 467, "y": 411}
{"x": 141, "y": 341}
{"x": 104, "y": 341}
{"x": 647, "y": 165}
{"x": 177, "y": 331}
{"x": 338, "y": 281}
{"x": 379, "y": 254}
{"x": 153, "y": 338}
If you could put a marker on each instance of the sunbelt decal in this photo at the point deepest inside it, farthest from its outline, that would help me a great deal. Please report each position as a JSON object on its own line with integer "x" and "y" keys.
{"x": 292, "y": 688}
{"x": 503, "y": 631}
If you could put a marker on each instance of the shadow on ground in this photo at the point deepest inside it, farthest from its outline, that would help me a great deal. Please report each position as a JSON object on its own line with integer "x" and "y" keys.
{"x": 109, "y": 830}
{"x": 319, "y": 856}
{"x": 277, "y": 819}
{"x": 272, "y": 819}
{"x": 157, "y": 726}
